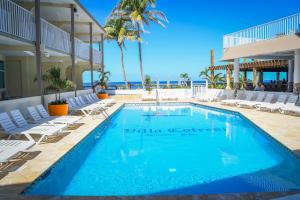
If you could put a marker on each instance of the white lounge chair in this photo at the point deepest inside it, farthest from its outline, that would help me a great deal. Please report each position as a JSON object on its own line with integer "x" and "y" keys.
{"x": 91, "y": 100}
{"x": 21, "y": 122}
{"x": 86, "y": 110}
{"x": 233, "y": 102}
{"x": 11, "y": 148}
{"x": 107, "y": 101}
{"x": 210, "y": 96}
{"x": 268, "y": 100}
{"x": 74, "y": 107}
{"x": 252, "y": 104}
{"x": 81, "y": 102}
{"x": 36, "y": 118}
{"x": 11, "y": 129}
{"x": 87, "y": 101}
{"x": 290, "y": 107}
{"x": 272, "y": 107}
{"x": 57, "y": 120}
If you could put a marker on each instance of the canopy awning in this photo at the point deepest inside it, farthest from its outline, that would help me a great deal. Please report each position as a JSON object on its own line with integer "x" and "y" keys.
{"x": 267, "y": 65}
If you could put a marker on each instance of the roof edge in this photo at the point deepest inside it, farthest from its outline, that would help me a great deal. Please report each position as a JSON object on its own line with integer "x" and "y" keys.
{"x": 90, "y": 15}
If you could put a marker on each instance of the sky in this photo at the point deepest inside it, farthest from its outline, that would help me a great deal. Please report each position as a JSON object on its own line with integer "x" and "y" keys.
{"x": 195, "y": 27}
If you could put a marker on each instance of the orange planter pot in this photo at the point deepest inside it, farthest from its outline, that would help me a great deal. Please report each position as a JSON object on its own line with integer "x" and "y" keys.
{"x": 102, "y": 96}
{"x": 58, "y": 110}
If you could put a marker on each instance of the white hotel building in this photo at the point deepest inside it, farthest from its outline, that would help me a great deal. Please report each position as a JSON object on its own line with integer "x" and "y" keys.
{"x": 36, "y": 35}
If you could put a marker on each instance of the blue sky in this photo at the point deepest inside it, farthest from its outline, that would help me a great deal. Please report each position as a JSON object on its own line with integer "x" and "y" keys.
{"x": 194, "y": 28}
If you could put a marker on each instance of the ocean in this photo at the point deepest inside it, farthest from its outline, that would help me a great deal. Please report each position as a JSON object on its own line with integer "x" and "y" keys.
{"x": 136, "y": 84}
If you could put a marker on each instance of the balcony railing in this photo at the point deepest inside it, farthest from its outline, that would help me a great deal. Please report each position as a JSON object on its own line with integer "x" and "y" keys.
{"x": 97, "y": 56}
{"x": 16, "y": 21}
{"x": 282, "y": 27}
{"x": 55, "y": 38}
{"x": 20, "y": 23}
{"x": 82, "y": 50}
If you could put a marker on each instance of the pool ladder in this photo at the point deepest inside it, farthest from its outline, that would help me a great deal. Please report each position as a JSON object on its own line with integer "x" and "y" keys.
{"x": 157, "y": 97}
{"x": 105, "y": 114}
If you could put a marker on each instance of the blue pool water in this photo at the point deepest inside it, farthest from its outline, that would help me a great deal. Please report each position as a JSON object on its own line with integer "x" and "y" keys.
{"x": 171, "y": 150}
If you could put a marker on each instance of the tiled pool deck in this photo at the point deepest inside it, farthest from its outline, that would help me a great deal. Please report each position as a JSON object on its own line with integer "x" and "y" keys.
{"x": 285, "y": 129}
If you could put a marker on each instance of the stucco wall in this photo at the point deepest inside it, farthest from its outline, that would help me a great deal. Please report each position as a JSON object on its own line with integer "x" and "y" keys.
{"x": 26, "y": 72}
{"x": 21, "y": 72}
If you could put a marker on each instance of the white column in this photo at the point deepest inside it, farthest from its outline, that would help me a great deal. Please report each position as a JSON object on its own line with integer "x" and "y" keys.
{"x": 297, "y": 72}
{"x": 290, "y": 75}
{"x": 236, "y": 72}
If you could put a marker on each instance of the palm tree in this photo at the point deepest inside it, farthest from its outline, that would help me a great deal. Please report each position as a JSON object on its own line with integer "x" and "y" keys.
{"x": 119, "y": 29}
{"x": 103, "y": 79}
{"x": 185, "y": 77}
{"x": 56, "y": 84}
{"x": 243, "y": 81}
{"x": 140, "y": 12}
{"x": 148, "y": 83}
{"x": 213, "y": 79}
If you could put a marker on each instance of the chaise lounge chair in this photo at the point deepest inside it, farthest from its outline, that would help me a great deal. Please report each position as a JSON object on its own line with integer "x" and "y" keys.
{"x": 11, "y": 148}
{"x": 37, "y": 119}
{"x": 209, "y": 96}
{"x": 86, "y": 110}
{"x": 233, "y": 102}
{"x": 107, "y": 101}
{"x": 11, "y": 129}
{"x": 268, "y": 100}
{"x": 290, "y": 107}
{"x": 81, "y": 102}
{"x": 252, "y": 104}
{"x": 272, "y": 107}
{"x": 57, "y": 120}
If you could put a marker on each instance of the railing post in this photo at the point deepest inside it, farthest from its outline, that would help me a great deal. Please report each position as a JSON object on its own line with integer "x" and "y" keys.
{"x": 91, "y": 55}
{"x": 102, "y": 51}
{"x": 72, "y": 38}
{"x": 38, "y": 54}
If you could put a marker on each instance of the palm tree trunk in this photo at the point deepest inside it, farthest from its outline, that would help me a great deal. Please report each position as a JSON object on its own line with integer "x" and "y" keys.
{"x": 123, "y": 66}
{"x": 140, "y": 56}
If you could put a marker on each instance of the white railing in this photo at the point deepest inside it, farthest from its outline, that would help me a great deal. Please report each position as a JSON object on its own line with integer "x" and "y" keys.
{"x": 19, "y": 22}
{"x": 82, "y": 50}
{"x": 16, "y": 21}
{"x": 282, "y": 27}
{"x": 97, "y": 56}
{"x": 54, "y": 37}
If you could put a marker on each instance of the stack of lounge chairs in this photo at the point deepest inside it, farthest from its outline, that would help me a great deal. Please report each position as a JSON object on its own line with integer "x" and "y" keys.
{"x": 89, "y": 104}
{"x": 285, "y": 103}
{"x": 211, "y": 95}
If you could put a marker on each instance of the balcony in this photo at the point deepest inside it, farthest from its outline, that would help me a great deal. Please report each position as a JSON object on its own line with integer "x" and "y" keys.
{"x": 275, "y": 29}
{"x": 19, "y": 23}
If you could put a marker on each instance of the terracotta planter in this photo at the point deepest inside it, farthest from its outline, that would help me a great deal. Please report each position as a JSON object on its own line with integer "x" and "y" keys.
{"x": 102, "y": 96}
{"x": 58, "y": 110}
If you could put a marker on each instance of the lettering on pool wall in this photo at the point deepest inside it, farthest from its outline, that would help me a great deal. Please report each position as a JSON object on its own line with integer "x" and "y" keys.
{"x": 173, "y": 131}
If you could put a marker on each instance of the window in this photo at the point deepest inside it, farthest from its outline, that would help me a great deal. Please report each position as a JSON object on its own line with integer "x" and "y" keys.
{"x": 2, "y": 75}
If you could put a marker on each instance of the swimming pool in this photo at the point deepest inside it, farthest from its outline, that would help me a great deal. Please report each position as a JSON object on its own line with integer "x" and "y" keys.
{"x": 172, "y": 149}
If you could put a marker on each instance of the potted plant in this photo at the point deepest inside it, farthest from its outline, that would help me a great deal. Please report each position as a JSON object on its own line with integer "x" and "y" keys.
{"x": 103, "y": 79}
{"x": 148, "y": 83}
{"x": 59, "y": 107}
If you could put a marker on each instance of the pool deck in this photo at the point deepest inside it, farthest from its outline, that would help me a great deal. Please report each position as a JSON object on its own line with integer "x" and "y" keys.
{"x": 283, "y": 128}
